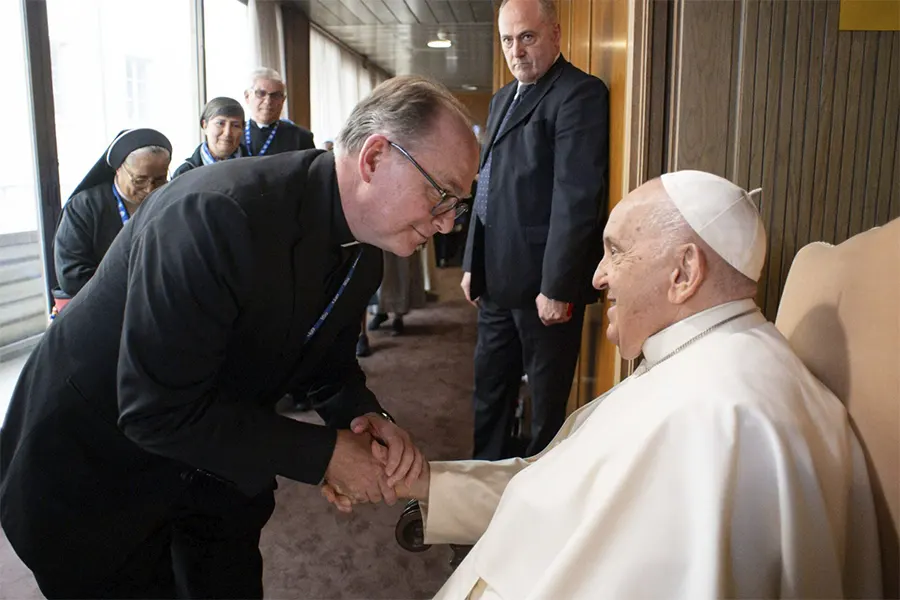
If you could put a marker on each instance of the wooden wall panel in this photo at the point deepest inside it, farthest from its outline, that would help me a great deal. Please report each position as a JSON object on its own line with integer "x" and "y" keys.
{"x": 703, "y": 145}
{"x": 851, "y": 119}
{"x": 810, "y": 115}
{"x": 579, "y": 34}
{"x": 827, "y": 104}
{"x": 810, "y": 125}
{"x": 863, "y": 134}
{"x": 600, "y": 364}
{"x": 478, "y": 104}
{"x": 877, "y": 132}
{"x": 838, "y": 117}
{"x": 796, "y": 138}
{"x": 890, "y": 151}
{"x": 296, "y": 60}
{"x": 770, "y": 159}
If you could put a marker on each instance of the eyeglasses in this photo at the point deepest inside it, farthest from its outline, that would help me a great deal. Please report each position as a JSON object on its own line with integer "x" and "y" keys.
{"x": 448, "y": 201}
{"x": 142, "y": 181}
{"x": 275, "y": 96}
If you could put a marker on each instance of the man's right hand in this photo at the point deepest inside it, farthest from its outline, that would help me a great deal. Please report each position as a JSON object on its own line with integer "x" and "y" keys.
{"x": 354, "y": 471}
{"x": 466, "y": 285}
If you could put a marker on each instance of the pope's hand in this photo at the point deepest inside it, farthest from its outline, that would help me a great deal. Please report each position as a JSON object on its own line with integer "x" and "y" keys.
{"x": 402, "y": 459}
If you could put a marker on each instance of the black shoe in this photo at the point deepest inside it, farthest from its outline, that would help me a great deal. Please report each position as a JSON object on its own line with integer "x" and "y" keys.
{"x": 302, "y": 404}
{"x": 397, "y": 326}
{"x": 459, "y": 554}
{"x": 377, "y": 320}
{"x": 363, "y": 348}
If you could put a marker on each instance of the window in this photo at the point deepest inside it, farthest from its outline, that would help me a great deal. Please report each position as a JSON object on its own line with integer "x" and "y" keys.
{"x": 136, "y": 88}
{"x": 119, "y": 64}
{"x": 23, "y": 308}
{"x": 18, "y": 196}
{"x": 227, "y": 48}
{"x": 337, "y": 81}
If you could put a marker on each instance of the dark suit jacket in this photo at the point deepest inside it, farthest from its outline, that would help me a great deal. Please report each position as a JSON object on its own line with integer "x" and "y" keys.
{"x": 288, "y": 138}
{"x": 173, "y": 356}
{"x": 548, "y": 193}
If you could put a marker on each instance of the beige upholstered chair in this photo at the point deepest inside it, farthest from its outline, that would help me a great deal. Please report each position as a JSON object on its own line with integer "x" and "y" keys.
{"x": 840, "y": 310}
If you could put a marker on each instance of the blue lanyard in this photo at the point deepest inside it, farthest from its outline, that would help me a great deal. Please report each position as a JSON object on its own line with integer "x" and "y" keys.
{"x": 264, "y": 146}
{"x": 122, "y": 212}
{"x": 312, "y": 330}
{"x": 209, "y": 159}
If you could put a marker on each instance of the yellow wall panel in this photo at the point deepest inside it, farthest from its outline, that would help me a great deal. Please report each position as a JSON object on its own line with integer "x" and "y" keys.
{"x": 870, "y": 15}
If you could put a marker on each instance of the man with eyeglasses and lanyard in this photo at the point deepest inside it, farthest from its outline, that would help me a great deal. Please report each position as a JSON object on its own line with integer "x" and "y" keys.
{"x": 266, "y": 133}
{"x": 139, "y": 453}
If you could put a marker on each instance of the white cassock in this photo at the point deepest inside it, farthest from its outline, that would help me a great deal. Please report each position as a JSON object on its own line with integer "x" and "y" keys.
{"x": 727, "y": 470}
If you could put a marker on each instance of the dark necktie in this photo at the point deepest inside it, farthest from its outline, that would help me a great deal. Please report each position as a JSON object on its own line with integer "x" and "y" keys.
{"x": 484, "y": 178}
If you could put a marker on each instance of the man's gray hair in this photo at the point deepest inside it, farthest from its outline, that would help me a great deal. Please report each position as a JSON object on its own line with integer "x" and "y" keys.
{"x": 147, "y": 150}
{"x": 403, "y": 109}
{"x": 263, "y": 73}
{"x": 548, "y": 10}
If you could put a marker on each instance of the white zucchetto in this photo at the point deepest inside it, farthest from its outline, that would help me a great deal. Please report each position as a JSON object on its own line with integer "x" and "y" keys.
{"x": 723, "y": 215}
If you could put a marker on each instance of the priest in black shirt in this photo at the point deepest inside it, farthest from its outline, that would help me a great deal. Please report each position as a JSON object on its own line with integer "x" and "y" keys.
{"x": 134, "y": 164}
{"x": 139, "y": 454}
{"x": 266, "y": 133}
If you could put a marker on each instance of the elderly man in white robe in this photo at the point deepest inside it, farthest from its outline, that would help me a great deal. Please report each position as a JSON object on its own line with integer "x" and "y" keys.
{"x": 721, "y": 468}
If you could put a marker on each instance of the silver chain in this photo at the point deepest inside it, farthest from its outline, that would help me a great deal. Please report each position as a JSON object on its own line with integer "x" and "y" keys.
{"x": 699, "y": 336}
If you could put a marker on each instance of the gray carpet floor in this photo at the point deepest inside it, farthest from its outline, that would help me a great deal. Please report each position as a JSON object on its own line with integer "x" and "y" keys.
{"x": 310, "y": 551}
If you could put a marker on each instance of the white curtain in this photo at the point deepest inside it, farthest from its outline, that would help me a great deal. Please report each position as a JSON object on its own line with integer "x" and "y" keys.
{"x": 265, "y": 40}
{"x": 338, "y": 80}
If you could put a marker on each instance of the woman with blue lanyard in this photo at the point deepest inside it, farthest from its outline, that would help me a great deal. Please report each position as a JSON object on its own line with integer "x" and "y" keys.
{"x": 222, "y": 122}
{"x": 135, "y": 164}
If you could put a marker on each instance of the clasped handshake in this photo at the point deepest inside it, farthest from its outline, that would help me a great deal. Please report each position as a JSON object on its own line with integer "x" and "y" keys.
{"x": 375, "y": 460}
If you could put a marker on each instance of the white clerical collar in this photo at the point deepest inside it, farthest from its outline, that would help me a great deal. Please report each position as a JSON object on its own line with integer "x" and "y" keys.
{"x": 661, "y": 344}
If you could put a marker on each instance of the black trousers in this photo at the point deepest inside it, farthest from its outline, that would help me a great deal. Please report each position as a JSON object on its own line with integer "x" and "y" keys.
{"x": 510, "y": 341}
{"x": 208, "y": 548}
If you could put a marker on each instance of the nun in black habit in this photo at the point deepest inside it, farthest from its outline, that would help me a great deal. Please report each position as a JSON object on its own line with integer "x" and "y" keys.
{"x": 222, "y": 122}
{"x": 135, "y": 164}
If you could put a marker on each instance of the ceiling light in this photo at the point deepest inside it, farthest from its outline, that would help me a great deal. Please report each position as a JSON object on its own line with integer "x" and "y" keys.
{"x": 469, "y": 87}
{"x": 440, "y": 44}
